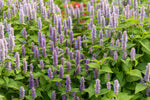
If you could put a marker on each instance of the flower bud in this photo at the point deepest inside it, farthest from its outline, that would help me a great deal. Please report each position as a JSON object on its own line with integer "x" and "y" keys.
{"x": 50, "y": 73}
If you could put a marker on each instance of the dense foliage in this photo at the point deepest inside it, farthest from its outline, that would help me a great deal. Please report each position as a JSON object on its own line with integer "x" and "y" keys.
{"x": 67, "y": 50}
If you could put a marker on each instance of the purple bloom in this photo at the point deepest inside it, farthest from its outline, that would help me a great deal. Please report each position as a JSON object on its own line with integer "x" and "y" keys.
{"x": 147, "y": 73}
{"x": 97, "y": 86}
{"x": 31, "y": 67}
{"x": 116, "y": 87}
{"x": 50, "y": 31}
{"x": 62, "y": 61}
{"x": 36, "y": 52}
{"x": 17, "y": 60}
{"x": 78, "y": 42}
{"x": 64, "y": 97}
{"x": 77, "y": 59}
{"x": 24, "y": 33}
{"x": 92, "y": 11}
{"x": 53, "y": 95}
{"x": 78, "y": 69}
{"x": 108, "y": 85}
{"x": 37, "y": 82}
{"x": 68, "y": 66}
{"x": 59, "y": 26}
{"x": 32, "y": 46}
{"x": 23, "y": 50}
{"x": 61, "y": 71}
{"x": 67, "y": 51}
{"x": 24, "y": 65}
{"x": 71, "y": 55}
{"x": 68, "y": 83}
{"x": 39, "y": 24}
{"x": 54, "y": 37}
{"x": 33, "y": 94}
{"x": 31, "y": 81}
{"x": 22, "y": 92}
{"x": 70, "y": 22}
{"x": 84, "y": 38}
{"x": 96, "y": 74}
{"x": 82, "y": 85}
{"x": 55, "y": 58}
{"x": 50, "y": 73}
{"x": 108, "y": 76}
{"x": 44, "y": 51}
{"x": 118, "y": 43}
{"x": 51, "y": 45}
{"x": 93, "y": 34}
{"x": 41, "y": 64}
{"x": 71, "y": 36}
{"x": 124, "y": 40}
{"x": 61, "y": 38}
{"x": 115, "y": 55}
{"x": 132, "y": 53}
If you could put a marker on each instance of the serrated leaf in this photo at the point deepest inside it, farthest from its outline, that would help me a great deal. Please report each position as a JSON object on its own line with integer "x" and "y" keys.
{"x": 106, "y": 68}
{"x": 140, "y": 87}
{"x": 94, "y": 65}
{"x": 145, "y": 46}
{"x": 135, "y": 72}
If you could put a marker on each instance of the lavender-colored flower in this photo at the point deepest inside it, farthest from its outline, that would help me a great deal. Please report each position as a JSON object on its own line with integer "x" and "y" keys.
{"x": 118, "y": 43}
{"x": 39, "y": 24}
{"x": 68, "y": 83}
{"x": 51, "y": 45}
{"x": 147, "y": 73}
{"x": 112, "y": 42}
{"x": 61, "y": 71}
{"x": 50, "y": 31}
{"x": 77, "y": 58}
{"x": 62, "y": 61}
{"x": 127, "y": 13}
{"x": 54, "y": 36}
{"x": 82, "y": 85}
{"x": 41, "y": 64}
{"x": 108, "y": 33}
{"x": 23, "y": 50}
{"x": 99, "y": 16}
{"x": 17, "y": 60}
{"x": 77, "y": 98}
{"x": 70, "y": 22}
{"x": 37, "y": 82}
{"x": 59, "y": 26}
{"x": 36, "y": 52}
{"x": 96, "y": 74}
{"x": 78, "y": 42}
{"x": 24, "y": 33}
{"x": 115, "y": 55}
{"x": 61, "y": 38}
{"x": 101, "y": 34}
{"x": 78, "y": 69}
{"x": 8, "y": 64}
{"x": 92, "y": 11}
{"x": 32, "y": 46}
{"x": 66, "y": 43}
{"x": 33, "y": 94}
{"x": 93, "y": 34}
{"x": 55, "y": 58}
{"x": 132, "y": 53}
{"x": 68, "y": 66}
{"x": 116, "y": 87}
{"x": 71, "y": 36}
{"x": 108, "y": 85}
{"x": 124, "y": 55}
{"x": 31, "y": 67}
{"x": 50, "y": 73}
{"x": 64, "y": 97}
{"x": 97, "y": 86}
{"x": 21, "y": 15}
{"x": 103, "y": 21}
{"x": 40, "y": 38}
{"x": 101, "y": 42}
{"x": 31, "y": 81}
{"x": 11, "y": 42}
{"x": 53, "y": 95}
{"x": 124, "y": 40}
{"x": 65, "y": 31}
{"x": 24, "y": 65}
{"x": 2, "y": 51}
{"x": 22, "y": 92}
{"x": 1, "y": 4}
{"x": 142, "y": 15}
{"x": 90, "y": 50}
{"x": 1, "y": 31}
{"x": 74, "y": 95}
{"x": 67, "y": 51}
{"x": 71, "y": 55}
{"x": 78, "y": 15}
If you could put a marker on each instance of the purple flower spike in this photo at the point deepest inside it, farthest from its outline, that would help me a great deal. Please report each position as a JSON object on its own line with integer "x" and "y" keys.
{"x": 31, "y": 81}
{"x": 55, "y": 58}
{"x": 108, "y": 85}
{"x": 22, "y": 92}
{"x": 68, "y": 83}
{"x": 68, "y": 66}
{"x": 44, "y": 51}
{"x": 51, "y": 45}
{"x": 132, "y": 54}
{"x": 23, "y": 51}
{"x": 24, "y": 33}
{"x": 78, "y": 42}
{"x": 31, "y": 67}
{"x": 93, "y": 34}
{"x": 54, "y": 36}
{"x": 124, "y": 55}
{"x": 64, "y": 97}
{"x": 62, "y": 61}
{"x": 97, "y": 86}
{"x": 33, "y": 94}
{"x": 96, "y": 74}
{"x": 116, "y": 87}
{"x": 115, "y": 55}
{"x": 77, "y": 57}
{"x": 37, "y": 82}
{"x": 36, "y": 52}
{"x": 71, "y": 36}
{"x": 24, "y": 65}
{"x": 50, "y": 31}
{"x": 61, "y": 71}
{"x": 84, "y": 38}
{"x": 67, "y": 51}
{"x": 71, "y": 55}
{"x": 70, "y": 22}
{"x": 147, "y": 73}
{"x": 39, "y": 23}
{"x": 82, "y": 85}
{"x": 50, "y": 73}
{"x": 87, "y": 62}
{"x": 41, "y": 64}
{"x": 61, "y": 38}
{"x": 32, "y": 46}
{"x": 53, "y": 95}
{"x": 78, "y": 69}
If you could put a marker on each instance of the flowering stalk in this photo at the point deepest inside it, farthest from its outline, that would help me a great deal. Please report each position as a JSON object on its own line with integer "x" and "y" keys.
{"x": 116, "y": 87}
{"x": 22, "y": 92}
{"x": 33, "y": 94}
{"x": 97, "y": 86}
{"x": 50, "y": 73}
{"x": 24, "y": 65}
{"x": 82, "y": 85}
{"x": 68, "y": 83}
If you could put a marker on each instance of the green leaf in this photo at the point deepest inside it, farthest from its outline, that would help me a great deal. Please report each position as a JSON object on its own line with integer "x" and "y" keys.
{"x": 135, "y": 72}
{"x": 57, "y": 79}
{"x": 104, "y": 91}
{"x": 140, "y": 87}
{"x": 145, "y": 46}
{"x": 1, "y": 81}
{"x": 106, "y": 68}
{"x": 124, "y": 96}
{"x": 94, "y": 65}
{"x": 19, "y": 77}
{"x": 90, "y": 91}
